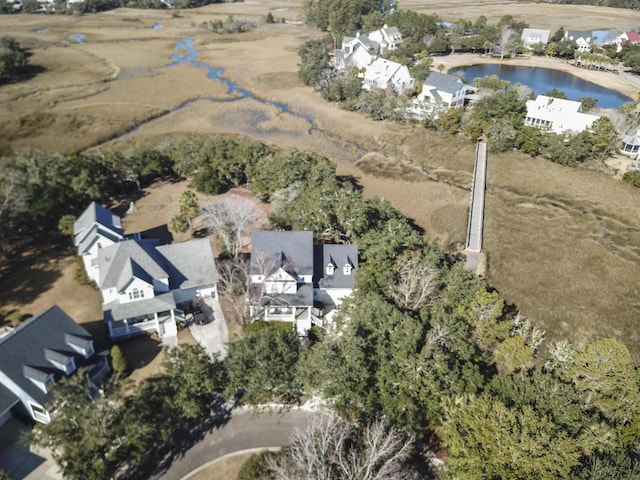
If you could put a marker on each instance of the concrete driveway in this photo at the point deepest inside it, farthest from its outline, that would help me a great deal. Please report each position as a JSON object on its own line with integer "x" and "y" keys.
{"x": 213, "y": 336}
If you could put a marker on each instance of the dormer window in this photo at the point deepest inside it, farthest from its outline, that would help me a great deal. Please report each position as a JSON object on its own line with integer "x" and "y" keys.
{"x": 330, "y": 268}
{"x": 65, "y": 363}
{"x": 136, "y": 293}
{"x": 347, "y": 269}
{"x": 42, "y": 379}
{"x": 80, "y": 345}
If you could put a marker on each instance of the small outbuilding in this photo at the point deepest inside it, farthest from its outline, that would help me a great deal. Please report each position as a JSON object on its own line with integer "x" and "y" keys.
{"x": 631, "y": 144}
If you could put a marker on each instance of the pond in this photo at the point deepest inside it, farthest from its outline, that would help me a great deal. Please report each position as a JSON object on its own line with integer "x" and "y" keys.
{"x": 541, "y": 80}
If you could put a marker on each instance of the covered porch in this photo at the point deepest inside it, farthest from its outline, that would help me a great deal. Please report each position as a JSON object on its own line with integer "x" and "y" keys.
{"x": 155, "y": 315}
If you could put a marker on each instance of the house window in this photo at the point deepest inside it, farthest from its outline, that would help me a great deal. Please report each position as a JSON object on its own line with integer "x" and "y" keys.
{"x": 330, "y": 268}
{"x": 136, "y": 293}
{"x": 347, "y": 269}
{"x": 49, "y": 383}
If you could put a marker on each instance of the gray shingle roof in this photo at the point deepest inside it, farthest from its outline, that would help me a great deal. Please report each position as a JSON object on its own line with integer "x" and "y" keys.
{"x": 443, "y": 82}
{"x": 338, "y": 256}
{"x": 190, "y": 264}
{"x": 7, "y": 399}
{"x": 120, "y": 263}
{"x": 24, "y": 352}
{"x": 147, "y": 306}
{"x": 291, "y": 250}
{"x": 95, "y": 214}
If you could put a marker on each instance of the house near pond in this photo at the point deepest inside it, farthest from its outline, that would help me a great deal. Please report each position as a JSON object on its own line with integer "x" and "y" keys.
{"x": 557, "y": 115}
{"x": 440, "y": 92}
{"x": 36, "y": 354}
{"x": 624, "y": 37}
{"x": 631, "y": 144}
{"x": 145, "y": 286}
{"x": 295, "y": 281}
{"x": 534, "y": 36}
{"x": 583, "y": 39}
{"x": 386, "y": 75}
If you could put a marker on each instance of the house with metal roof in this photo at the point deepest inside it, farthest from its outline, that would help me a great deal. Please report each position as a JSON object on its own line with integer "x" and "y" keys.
{"x": 557, "y": 115}
{"x": 293, "y": 280}
{"x": 36, "y": 354}
{"x": 534, "y": 36}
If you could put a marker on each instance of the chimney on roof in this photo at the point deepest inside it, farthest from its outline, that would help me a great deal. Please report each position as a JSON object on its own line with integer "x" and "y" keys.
{"x": 357, "y": 34}
{"x": 385, "y": 26}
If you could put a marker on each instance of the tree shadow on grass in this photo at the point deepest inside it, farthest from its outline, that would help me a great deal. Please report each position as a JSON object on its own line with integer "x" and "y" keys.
{"x": 140, "y": 351}
{"x": 183, "y": 439}
{"x": 31, "y": 268}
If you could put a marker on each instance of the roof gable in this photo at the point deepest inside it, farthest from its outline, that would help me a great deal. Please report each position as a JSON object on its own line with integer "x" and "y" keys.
{"x": 291, "y": 251}
{"x": 27, "y": 353}
{"x": 443, "y": 82}
{"x": 96, "y": 214}
{"x": 118, "y": 264}
{"x": 338, "y": 256}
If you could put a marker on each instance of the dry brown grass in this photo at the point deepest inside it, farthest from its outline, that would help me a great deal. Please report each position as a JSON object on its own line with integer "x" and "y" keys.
{"x": 562, "y": 244}
{"x": 226, "y": 469}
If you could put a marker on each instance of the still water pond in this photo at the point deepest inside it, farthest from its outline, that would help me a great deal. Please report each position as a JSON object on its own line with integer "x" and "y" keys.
{"x": 541, "y": 80}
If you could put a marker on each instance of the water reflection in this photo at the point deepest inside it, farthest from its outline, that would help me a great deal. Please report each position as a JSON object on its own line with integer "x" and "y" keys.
{"x": 541, "y": 80}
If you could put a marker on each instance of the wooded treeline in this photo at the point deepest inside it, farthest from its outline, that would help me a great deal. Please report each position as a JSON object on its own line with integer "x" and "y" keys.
{"x": 422, "y": 343}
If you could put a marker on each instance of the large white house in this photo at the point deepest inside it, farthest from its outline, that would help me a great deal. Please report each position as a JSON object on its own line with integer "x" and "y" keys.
{"x": 534, "y": 36}
{"x": 36, "y": 354}
{"x": 296, "y": 281}
{"x": 145, "y": 286}
{"x": 440, "y": 92}
{"x": 583, "y": 39}
{"x": 557, "y": 115}
{"x": 389, "y": 38}
{"x": 384, "y": 74}
{"x": 356, "y": 52}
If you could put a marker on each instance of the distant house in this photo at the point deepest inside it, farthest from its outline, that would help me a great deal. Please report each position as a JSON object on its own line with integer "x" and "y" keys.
{"x": 632, "y": 37}
{"x": 583, "y": 39}
{"x": 386, "y": 75}
{"x": 631, "y": 144}
{"x": 534, "y": 36}
{"x": 557, "y": 115}
{"x": 35, "y": 355}
{"x": 389, "y": 38}
{"x": 291, "y": 277}
{"x": 356, "y": 52}
{"x": 604, "y": 37}
{"x": 144, "y": 285}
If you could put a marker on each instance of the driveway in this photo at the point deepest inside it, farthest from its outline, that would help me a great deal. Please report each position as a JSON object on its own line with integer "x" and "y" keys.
{"x": 245, "y": 430}
{"x": 213, "y": 336}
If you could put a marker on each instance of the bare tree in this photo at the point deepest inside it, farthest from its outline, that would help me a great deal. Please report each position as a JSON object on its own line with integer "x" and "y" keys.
{"x": 329, "y": 447}
{"x": 233, "y": 283}
{"x": 231, "y": 217}
{"x": 416, "y": 282}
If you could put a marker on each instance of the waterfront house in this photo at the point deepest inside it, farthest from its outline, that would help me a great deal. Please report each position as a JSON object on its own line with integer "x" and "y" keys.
{"x": 534, "y": 36}
{"x": 386, "y": 75}
{"x": 557, "y": 115}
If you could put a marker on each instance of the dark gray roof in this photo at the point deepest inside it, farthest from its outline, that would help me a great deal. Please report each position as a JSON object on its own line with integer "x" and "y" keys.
{"x": 95, "y": 214}
{"x": 302, "y": 298}
{"x": 24, "y": 352}
{"x": 7, "y": 399}
{"x": 575, "y": 34}
{"x": 118, "y": 264}
{"x": 338, "y": 256}
{"x": 443, "y": 82}
{"x": 292, "y": 251}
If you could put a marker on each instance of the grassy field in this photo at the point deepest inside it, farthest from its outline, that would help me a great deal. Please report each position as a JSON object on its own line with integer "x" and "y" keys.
{"x": 562, "y": 244}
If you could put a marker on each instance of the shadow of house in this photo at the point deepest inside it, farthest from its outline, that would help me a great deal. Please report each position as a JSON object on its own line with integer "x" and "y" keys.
{"x": 161, "y": 233}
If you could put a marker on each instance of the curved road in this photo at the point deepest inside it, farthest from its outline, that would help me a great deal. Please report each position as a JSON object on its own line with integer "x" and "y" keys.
{"x": 245, "y": 430}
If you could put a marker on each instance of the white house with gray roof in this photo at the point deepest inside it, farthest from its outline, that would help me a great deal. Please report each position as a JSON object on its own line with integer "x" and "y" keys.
{"x": 534, "y": 36}
{"x": 440, "y": 92}
{"x": 144, "y": 285}
{"x": 356, "y": 52}
{"x": 583, "y": 39}
{"x": 94, "y": 229}
{"x": 389, "y": 38}
{"x": 36, "y": 354}
{"x": 384, "y": 74}
{"x": 291, "y": 278}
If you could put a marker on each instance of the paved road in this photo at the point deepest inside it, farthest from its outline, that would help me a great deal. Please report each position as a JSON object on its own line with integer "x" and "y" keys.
{"x": 243, "y": 431}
